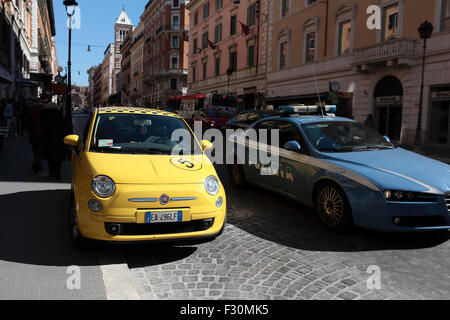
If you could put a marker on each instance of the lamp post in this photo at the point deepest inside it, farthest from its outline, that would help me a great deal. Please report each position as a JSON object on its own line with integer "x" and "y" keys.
{"x": 70, "y": 10}
{"x": 425, "y": 31}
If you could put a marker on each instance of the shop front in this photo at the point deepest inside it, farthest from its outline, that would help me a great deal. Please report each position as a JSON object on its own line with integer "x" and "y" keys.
{"x": 438, "y": 136}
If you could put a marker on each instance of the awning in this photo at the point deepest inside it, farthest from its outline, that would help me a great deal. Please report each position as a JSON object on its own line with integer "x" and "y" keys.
{"x": 26, "y": 82}
{"x": 5, "y": 76}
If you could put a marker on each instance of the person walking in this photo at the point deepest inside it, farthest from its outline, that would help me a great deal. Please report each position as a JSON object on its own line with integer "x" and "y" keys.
{"x": 2, "y": 122}
{"x": 369, "y": 121}
{"x": 35, "y": 134}
{"x": 9, "y": 115}
{"x": 53, "y": 137}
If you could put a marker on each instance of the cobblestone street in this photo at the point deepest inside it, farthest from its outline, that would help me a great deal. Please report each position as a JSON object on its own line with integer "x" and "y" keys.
{"x": 273, "y": 248}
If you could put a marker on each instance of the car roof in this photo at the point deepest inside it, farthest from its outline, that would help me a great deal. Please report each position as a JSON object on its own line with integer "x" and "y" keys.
{"x": 136, "y": 110}
{"x": 318, "y": 118}
{"x": 304, "y": 119}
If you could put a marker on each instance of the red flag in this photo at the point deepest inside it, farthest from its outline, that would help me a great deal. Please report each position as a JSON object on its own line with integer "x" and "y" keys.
{"x": 245, "y": 28}
{"x": 212, "y": 45}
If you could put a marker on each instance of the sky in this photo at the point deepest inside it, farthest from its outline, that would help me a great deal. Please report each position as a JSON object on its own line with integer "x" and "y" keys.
{"x": 96, "y": 29}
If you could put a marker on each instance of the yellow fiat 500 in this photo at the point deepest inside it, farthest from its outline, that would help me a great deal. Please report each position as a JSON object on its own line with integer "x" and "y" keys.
{"x": 141, "y": 175}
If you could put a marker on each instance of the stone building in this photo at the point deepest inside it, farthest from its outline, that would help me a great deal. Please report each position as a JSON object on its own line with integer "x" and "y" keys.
{"x": 324, "y": 51}
{"x": 166, "y": 27}
{"x": 227, "y": 48}
{"x": 28, "y": 60}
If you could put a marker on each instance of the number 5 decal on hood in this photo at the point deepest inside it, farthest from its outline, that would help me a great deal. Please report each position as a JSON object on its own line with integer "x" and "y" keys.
{"x": 186, "y": 163}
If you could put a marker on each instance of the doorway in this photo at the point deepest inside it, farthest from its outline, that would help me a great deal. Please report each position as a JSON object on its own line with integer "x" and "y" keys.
{"x": 389, "y": 108}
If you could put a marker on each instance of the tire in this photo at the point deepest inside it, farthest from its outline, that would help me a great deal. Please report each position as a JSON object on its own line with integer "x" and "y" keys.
{"x": 333, "y": 208}
{"x": 237, "y": 175}
{"x": 78, "y": 241}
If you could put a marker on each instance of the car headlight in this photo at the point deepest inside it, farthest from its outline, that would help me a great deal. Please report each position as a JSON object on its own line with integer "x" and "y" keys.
{"x": 408, "y": 196}
{"x": 212, "y": 185}
{"x": 103, "y": 186}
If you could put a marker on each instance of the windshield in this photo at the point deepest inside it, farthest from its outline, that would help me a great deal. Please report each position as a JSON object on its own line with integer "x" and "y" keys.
{"x": 344, "y": 137}
{"x": 141, "y": 133}
{"x": 218, "y": 114}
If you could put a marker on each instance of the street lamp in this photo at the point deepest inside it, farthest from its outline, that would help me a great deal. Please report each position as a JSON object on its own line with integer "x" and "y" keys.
{"x": 70, "y": 10}
{"x": 425, "y": 31}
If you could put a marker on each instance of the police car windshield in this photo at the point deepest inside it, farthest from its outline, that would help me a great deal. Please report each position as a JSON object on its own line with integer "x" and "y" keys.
{"x": 141, "y": 133}
{"x": 344, "y": 136}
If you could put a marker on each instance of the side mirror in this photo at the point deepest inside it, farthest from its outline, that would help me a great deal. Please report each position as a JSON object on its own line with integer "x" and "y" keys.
{"x": 206, "y": 145}
{"x": 292, "y": 146}
{"x": 387, "y": 139}
{"x": 72, "y": 140}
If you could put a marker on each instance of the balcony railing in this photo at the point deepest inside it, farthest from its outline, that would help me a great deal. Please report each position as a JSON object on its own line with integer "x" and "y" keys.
{"x": 395, "y": 49}
{"x": 179, "y": 27}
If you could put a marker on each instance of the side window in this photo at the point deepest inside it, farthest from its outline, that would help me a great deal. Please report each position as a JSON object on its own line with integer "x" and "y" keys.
{"x": 253, "y": 116}
{"x": 266, "y": 125}
{"x": 242, "y": 117}
{"x": 289, "y": 132}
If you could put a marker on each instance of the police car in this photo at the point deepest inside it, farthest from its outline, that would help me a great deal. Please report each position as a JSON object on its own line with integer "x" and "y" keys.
{"x": 349, "y": 173}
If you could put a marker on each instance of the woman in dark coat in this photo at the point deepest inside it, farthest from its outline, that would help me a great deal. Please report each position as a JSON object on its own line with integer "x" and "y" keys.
{"x": 53, "y": 138}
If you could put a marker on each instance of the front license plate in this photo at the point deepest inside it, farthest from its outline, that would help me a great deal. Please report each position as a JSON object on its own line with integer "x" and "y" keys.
{"x": 163, "y": 216}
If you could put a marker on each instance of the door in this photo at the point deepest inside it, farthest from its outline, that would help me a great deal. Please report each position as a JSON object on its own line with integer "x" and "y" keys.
{"x": 292, "y": 177}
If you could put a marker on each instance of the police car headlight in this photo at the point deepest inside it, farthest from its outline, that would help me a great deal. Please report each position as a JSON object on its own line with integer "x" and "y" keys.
{"x": 403, "y": 196}
{"x": 212, "y": 185}
{"x": 103, "y": 186}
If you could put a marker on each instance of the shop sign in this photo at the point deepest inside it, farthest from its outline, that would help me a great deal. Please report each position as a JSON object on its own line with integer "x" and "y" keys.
{"x": 441, "y": 95}
{"x": 389, "y": 100}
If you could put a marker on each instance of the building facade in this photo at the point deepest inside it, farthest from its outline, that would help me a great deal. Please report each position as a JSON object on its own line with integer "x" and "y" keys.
{"x": 166, "y": 27}
{"x": 329, "y": 52}
{"x": 28, "y": 59}
{"x": 97, "y": 93}
{"x": 227, "y": 49}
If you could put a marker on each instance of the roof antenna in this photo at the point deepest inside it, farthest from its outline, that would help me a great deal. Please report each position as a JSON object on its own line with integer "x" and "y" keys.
{"x": 321, "y": 107}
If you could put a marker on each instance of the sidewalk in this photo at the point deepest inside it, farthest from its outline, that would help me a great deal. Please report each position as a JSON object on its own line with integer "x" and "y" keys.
{"x": 15, "y": 163}
{"x": 35, "y": 250}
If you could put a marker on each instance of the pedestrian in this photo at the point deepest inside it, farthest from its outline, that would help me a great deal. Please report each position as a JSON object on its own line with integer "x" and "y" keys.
{"x": 369, "y": 121}
{"x": 54, "y": 130}
{"x": 2, "y": 122}
{"x": 35, "y": 134}
{"x": 9, "y": 115}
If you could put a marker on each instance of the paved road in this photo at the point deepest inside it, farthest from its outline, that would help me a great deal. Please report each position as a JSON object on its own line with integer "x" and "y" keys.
{"x": 272, "y": 248}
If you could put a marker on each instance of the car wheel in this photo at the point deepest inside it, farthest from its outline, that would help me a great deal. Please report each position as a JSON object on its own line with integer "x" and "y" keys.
{"x": 333, "y": 208}
{"x": 74, "y": 231}
{"x": 237, "y": 175}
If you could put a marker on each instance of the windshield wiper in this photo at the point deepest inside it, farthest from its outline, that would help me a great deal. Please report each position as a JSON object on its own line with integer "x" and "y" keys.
{"x": 361, "y": 148}
{"x": 106, "y": 149}
{"x": 334, "y": 149}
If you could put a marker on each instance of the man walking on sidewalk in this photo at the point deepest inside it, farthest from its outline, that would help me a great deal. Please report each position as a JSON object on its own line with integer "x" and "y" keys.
{"x": 35, "y": 134}
{"x": 54, "y": 130}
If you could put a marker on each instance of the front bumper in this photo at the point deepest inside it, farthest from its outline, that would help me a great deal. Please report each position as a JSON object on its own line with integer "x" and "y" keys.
{"x": 374, "y": 212}
{"x": 130, "y": 216}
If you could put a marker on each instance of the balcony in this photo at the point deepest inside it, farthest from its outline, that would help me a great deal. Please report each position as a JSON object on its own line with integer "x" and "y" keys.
{"x": 179, "y": 27}
{"x": 399, "y": 52}
{"x": 173, "y": 72}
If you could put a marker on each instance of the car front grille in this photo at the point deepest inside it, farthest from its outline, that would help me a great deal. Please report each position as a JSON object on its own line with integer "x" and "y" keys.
{"x": 146, "y": 229}
{"x": 419, "y": 222}
{"x": 447, "y": 202}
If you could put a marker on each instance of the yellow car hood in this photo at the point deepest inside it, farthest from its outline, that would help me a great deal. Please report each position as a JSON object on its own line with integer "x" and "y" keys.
{"x": 150, "y": 169}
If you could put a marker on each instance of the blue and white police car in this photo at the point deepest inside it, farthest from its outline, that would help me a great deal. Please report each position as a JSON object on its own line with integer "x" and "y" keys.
{"x": 348, "y": 172}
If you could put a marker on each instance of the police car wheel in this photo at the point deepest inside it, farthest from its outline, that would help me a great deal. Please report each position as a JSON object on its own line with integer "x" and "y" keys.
{"x": 237, "y": 175}
{"x": 333, "y": 208}
{"x": 76, "y": 238}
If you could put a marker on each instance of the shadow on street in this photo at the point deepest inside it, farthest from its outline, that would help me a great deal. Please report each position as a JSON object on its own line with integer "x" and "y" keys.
{"x": 281, "y": 220}
{"x": 34, "y": 230}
